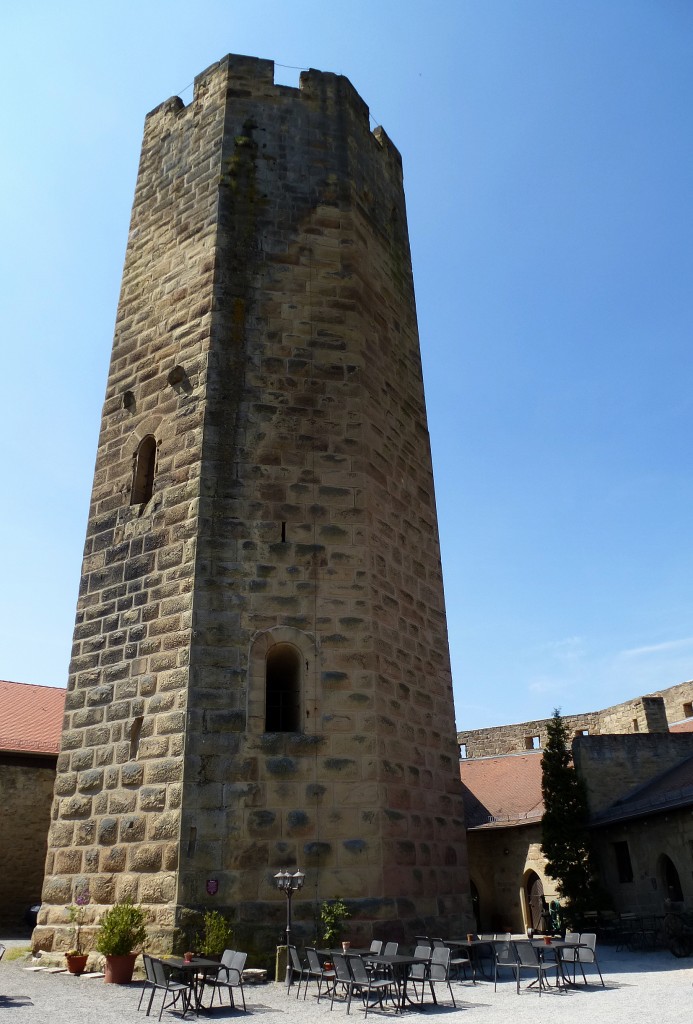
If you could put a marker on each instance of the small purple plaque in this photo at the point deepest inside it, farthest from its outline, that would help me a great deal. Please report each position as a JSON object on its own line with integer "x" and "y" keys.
{"x": 212, "y": 886}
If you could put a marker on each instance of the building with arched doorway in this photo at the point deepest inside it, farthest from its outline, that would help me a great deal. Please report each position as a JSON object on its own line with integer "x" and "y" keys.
{"x": 640, "y": 792}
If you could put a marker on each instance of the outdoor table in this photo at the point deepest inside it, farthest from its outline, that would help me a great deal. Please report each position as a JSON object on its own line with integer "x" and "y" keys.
{"x": 401, "y": 965}
{"x": 191, "y": 971}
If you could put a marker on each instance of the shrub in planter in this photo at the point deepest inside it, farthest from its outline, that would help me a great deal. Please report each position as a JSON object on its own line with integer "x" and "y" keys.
{"x": 122, "y": 931}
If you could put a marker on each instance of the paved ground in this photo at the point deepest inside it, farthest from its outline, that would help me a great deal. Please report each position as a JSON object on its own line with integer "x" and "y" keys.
{"x": 645, "y": 988}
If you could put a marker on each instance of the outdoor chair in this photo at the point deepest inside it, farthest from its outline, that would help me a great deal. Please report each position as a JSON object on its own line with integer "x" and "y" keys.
{"x": 528, "y": 959}
{"x": 504, "y": 955}
{"x": 422, "y": 940}
{"x": 418, "y": 973}
{"x": 569, "y": 956}
{"x": 296, "y": 969}
{"x": 343, "y": 976}
{"x": 150, "y": 980}
{"x": 367, "y": 983}
{"x": 230, "y": 976}
{"x": 316, "y": 971}
{"x": 376, "y": 947}
{"x": 164, "y": 981}
{"x": 439, "y": 969}
{"x": 438, "y": 944}
{"x": 460, "y": 962}
{"x": 588, "y": 955}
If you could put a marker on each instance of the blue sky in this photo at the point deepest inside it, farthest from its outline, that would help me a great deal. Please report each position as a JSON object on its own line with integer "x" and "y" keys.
{"x": 548, "y": 151}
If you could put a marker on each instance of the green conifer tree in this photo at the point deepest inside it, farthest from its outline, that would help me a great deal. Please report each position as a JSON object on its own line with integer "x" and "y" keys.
{"x": 565, "y": 836}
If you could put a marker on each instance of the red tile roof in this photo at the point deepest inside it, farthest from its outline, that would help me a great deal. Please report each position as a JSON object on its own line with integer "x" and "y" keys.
{"x": 31, "y": 718}
{"x": 685, "y": 726}
{"x": 501, "y": 791}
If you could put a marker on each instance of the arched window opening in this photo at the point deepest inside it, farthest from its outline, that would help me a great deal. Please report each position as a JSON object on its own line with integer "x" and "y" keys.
{"x": 283, "y": 689}
{"x": 135, "y": 733}
{"x": 143, "y": 474}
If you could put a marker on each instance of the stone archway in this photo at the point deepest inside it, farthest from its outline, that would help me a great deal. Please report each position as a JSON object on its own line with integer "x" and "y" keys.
{"x": 534, "y": 893}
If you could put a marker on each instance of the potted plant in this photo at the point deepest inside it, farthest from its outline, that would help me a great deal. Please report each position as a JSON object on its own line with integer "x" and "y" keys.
{"x": 122, "y": 931}
{"x": 217, "y": 935}
{"x": 333, "y": 913}
{"x": 76, "y": 957}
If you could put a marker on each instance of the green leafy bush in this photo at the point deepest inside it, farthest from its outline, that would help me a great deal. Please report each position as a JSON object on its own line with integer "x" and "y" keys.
{"x": 217, "y": 934}
{"x": 122, "y": 930}
{"x": 333, "y": 913}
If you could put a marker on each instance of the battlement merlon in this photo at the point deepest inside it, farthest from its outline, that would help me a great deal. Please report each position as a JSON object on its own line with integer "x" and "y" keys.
{"x": 253, "y": 78}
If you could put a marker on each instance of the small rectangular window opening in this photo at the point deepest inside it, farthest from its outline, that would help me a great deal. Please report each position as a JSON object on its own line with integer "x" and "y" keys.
{"x": 688, "y": 710}
{"x": 463, "y": 750}
{"x": 283, "y": 533}
{"x": 532, "y": 743}
{"x": 636, "y": 726}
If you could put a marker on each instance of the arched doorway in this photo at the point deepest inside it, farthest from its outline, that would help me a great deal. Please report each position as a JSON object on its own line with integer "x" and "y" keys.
{"x": 670, "y": 879}
{"x": 536, "y": 904}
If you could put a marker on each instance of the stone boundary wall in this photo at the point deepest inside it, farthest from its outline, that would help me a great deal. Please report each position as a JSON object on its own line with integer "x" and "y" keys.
{"x": 648, "y": 714}
{"x": 613, "y": 766}
{"x": 26, "y": 793}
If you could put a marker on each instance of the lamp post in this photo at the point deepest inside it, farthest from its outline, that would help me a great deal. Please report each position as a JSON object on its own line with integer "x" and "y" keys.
{"x": 289, "y": 884}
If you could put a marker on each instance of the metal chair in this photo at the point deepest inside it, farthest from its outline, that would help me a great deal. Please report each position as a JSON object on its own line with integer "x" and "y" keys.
{"x": 376, "y": 947}
{"x": 505, "y": 955}
{"x": 150, "y": 979}
{"x": 460, "y": 962}
{"x": 165, "y": 982}
{"x": 418, "y": 973}
{"x": 230, "y": 976}
{"x": 528, "y": 959}
{"x": 439, "y": 969}
{"x": 587, "y": 954}
{"x": 569, "y": 956}
{"x": 316, "y": 971}
{"x": 366, "y": 983}
{"x": 342, "y": 976}
{"x": 295, "y": 968}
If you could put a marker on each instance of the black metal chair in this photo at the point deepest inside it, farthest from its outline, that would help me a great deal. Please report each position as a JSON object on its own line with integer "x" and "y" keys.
{"x": 296, "y": 968}
{"x": 586, "y": 953}
{"x": 317, "y": 972}
{"x": 164, "y": 981}
{"x": 459, "y": 964}
{"x": 352, "y": 973}
{"x": 229, "y": 977}
{"x": 150, "y": 979}
{"x": 528, "y": 959}
{"x": 505, "y": 955}
{"x": 439, "y": 969}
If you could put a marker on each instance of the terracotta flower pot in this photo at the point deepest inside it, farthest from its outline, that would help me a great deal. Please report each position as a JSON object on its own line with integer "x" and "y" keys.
{"x": 119, "y": 969}
{"x": 76, "y": 962}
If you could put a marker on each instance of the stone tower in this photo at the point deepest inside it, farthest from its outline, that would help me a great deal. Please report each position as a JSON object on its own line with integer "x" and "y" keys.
{"x": 260, "y": 673}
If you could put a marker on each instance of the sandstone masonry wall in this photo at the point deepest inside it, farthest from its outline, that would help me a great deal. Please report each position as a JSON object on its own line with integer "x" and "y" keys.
{"x": 26, "y": 792}
{"x": 649, "y": 714}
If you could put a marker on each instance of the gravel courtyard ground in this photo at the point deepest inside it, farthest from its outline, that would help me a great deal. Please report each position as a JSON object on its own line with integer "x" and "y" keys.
{"x": 640, "y": 987}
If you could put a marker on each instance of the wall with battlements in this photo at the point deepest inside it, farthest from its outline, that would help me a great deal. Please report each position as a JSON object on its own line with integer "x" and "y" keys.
{"x": 649, "y": 714}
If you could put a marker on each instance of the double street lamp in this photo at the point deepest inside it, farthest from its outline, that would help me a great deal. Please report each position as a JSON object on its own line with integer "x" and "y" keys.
{"x": 289, "y": 883}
